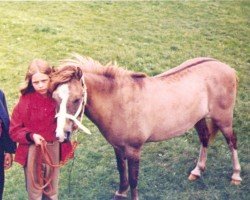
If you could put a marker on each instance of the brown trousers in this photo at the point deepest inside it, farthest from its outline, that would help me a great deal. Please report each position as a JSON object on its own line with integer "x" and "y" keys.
{"x": 34, "y": 193}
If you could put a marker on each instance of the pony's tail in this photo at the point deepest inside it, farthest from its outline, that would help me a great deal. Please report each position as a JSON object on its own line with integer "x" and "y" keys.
{"x": 212, "y": 129}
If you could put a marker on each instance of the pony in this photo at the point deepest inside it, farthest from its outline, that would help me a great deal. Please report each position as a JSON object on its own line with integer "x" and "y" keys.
{"x": 131, "y": 108}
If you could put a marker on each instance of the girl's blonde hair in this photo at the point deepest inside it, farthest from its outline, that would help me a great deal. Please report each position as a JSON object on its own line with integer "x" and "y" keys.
{"x": 36, "y": 65}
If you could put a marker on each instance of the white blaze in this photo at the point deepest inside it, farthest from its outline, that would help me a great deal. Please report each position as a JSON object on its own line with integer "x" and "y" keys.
{"x": 63, "y": 93}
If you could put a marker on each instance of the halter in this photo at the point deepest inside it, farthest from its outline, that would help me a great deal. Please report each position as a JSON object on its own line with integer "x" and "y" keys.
{"x": 62, "y": 115}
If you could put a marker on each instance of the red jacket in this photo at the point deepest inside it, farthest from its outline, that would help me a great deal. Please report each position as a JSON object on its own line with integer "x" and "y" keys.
{"x": 34, "y": 113}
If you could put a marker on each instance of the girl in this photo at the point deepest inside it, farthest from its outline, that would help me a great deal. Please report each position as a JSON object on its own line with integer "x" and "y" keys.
{"x": 33, "y": 121}
{"x": 7, "y": 146}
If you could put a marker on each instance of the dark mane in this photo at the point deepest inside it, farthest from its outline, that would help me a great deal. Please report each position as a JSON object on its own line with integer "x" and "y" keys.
{"x": 62, "y": 75}
{"x": 88, "y": 65}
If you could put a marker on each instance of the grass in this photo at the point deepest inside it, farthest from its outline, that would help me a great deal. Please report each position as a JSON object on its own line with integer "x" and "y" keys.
{"x": 141, "y": 36}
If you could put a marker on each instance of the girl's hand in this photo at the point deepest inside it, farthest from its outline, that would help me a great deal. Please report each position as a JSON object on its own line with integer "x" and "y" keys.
{"x": 37, "y": 139}
{"x": 7, "y": 160}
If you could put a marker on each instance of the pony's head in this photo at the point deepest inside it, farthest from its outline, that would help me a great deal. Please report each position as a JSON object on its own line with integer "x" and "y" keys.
{"x": 69, "y": 91}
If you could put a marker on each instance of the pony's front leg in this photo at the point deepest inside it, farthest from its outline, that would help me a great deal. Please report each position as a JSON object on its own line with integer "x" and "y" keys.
{"x": 133, "y": 156}
{"x": 232, "y": 143}
{"x": 122, "y": 168}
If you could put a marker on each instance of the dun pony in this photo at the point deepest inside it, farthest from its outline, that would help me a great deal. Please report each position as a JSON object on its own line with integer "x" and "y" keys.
{"x": 132, "y": 108}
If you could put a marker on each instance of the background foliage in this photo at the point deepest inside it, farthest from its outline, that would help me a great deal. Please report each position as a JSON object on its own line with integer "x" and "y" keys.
{"x": 141, "y": 36}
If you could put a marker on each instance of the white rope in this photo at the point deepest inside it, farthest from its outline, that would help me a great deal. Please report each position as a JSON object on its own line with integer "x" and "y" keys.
{"x": 73, "y": 118}
{"x": 79, "y": 109}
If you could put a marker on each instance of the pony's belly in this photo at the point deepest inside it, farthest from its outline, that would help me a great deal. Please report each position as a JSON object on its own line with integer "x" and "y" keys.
{"x": 174, "y": 118}
{"x": 165, "y": 134}
{"x": 178, "y": 124}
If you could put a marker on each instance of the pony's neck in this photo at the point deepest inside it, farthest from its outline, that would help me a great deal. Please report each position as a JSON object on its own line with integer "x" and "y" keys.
{"x": 98, "y": 84}
{"x": 99, "y": 90}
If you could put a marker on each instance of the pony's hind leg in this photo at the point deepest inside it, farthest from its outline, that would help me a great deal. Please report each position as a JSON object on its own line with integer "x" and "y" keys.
{"x": 205, "y": 132}
{"x": 122, "y": 168}
{"x": 232, "y": 143}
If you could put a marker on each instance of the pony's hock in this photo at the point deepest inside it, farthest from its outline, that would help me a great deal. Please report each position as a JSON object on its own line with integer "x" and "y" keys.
{"x": 197, "y": 90}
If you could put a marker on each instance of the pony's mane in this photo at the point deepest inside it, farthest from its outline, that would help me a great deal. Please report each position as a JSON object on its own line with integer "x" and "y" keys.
{"x": 62, "y": 75}
{"x": 88, "y": 65}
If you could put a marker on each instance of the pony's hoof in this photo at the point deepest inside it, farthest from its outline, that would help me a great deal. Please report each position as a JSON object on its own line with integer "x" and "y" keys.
{"x": 119, "y": 196}
{"x": 193, "y": 177}
{"x": 235, "y": 182}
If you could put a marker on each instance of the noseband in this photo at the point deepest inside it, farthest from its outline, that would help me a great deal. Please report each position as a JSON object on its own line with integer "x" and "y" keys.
{"x": 62, "y": 115}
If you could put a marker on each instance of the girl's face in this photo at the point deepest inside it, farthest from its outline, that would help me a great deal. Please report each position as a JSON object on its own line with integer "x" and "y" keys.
{"x": 40, "y": 82}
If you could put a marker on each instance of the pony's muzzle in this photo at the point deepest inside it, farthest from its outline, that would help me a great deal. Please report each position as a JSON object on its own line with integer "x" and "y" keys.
{"x": 65, "y": 137}
{"x": 64, "y": 133}
{"x": 60, "y": 139}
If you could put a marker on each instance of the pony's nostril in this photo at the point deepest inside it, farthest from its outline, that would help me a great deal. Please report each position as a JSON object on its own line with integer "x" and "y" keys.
{"x": 57, "y": 138}
{"x": 67, "y": 134}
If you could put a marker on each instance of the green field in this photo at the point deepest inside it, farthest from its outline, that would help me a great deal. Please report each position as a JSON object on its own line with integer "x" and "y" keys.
{"x": 142, "y": 36}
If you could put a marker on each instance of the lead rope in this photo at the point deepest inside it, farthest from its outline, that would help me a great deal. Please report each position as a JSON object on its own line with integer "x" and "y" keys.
{"x": 42, "y": 154}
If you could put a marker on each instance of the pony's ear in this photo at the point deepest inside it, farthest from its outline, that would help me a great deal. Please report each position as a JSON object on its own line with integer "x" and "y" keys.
{"x": 78, "y": 73}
